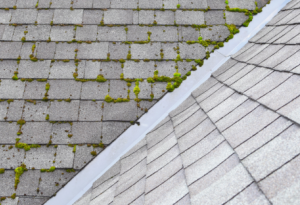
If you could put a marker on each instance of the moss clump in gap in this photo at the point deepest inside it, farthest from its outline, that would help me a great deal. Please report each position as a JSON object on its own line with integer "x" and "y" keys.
{"x": 2, "y": 198}
{"x": 21, "y": 122}
{"x": 178, "y": 6}
{"x": 18, "y": 173}
{"x": 170, "y": 87}
{"x": 13, "y": 196}
{"x": 70, "y": 135}
{"x": 100, "y": 79}
{"x": 25, "y": 146}
{"x": 47, "y": 117}
{"x": 70, "y": 170}
{"x": 94, "y": 153}
{"x": 31, "y": 101}
{"x": 52, "y": 169}
{"x": 10, "y": 100}
{"x": 136, "y": 89}
{"x": 74, "y": 149}
{"x": 2, "y": 171}
{"x": 108, "y": 99}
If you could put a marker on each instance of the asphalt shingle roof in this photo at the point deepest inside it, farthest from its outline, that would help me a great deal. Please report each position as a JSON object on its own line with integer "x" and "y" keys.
{"x": 235, "y": 140}
{"x": 59, "y": 61}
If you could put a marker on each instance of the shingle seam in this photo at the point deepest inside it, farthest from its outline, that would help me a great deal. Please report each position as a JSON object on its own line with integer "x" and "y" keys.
{"x": 211, "y": 170}
{"x": 265, "y": 106}
{"x": 216, "y": 147}
{"x": 105, "y": 181}
{"x": 190, "y": 129}
{"x": 132, "y": 153}
{"x": 278, "y": 168}
{"x": 133, "y": 166}
{"x": 182, "y": 197}
{"x": 266, "y": 142}
{"x": 163, "y": 182}
{"x": 239, "y": 78}
{"x": 233, "y": 74}
{"x": 206, "y": 92}
{"x": 103, "y": 191}
{"x": 138, "y": 180}
{"x": 183, "y": 110}
{"x": 263, "y": 35}
{"x": 224, "y": 70}
{"x": 161, "y": 139}
{"x": 164, "y": 154}
{"x": 219, "y": 102}
{"x": 199, "y": 141}
{"x": 281, "y": 34}
{"x": 159, "y": 127}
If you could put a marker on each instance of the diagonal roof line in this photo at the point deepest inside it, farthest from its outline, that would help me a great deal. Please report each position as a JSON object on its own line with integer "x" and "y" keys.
{"x": 85, "y": 179}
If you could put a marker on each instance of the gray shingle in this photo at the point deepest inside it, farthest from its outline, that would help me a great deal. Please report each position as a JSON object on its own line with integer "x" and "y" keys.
{"x": 189, "y": 17}
{"x": 40, "y": 158}
{"x": 94, "y": 90}
{"x": 64, "y": 157}
{"x": 126, "y": 111}
{"x": 5, "y": 16}
{"x": 8, "y": 4}
{"x": 227, "y": 65}
{"x": 291, "y": 110}
{"x": 7, "y": 33}
{"x": 146, "y": 17}
{"x": 48, "y": 185}
{"x": 243, "y": 72}
{"x": 62, "y": 33}
{"x": 3, "y": 110}
{"x": 82, "y": 156}
{"x": 145, "y": 92}
{"x": 264, "y": 54}
{"x": 190, "y": 4}
{"x": 93, "y": 51}
{"x": 26, "y": 16}
{"x": 264, "y": 31}
{"x": 249, "y": 80}
{"x": 85, "y": 199}
{"x": 279, "y": 16}
{"x": 60, "y": 133}
{"x": 132, "y": 176}
{"x": 112, "y": 33}
{"x": 45, "y": 16}
{"x": 168, "y": 50}
{"x": 235, "y": 181}
{"x": 183, "y": 106}
{"x": 165, "y": 17}
{"x": 118, "y": 51}
{"x": 251, "y": 194}
{"x": 9, "y": 131}
{"x": 214, "y": 17}
{"x": 114, "y": 16}
{"x": 215, "y": 33}
{"x": 282, "y": 33}
{"x": 282, "y": 185}
{"x": 32, "y": 200}
{"x": 192, "y": 51}
{"x": 164, "y": 33}
{"x": 35, "y": 112}
{"x": 60, "y": 4}
{"x": 236, "y": 115}
{"x": 163, "y": 174}
{"x": 284, "y": 93}
{"x": 226, "y": 107}
{"x": 29, "y": 69}
{"x": 219, "y": 96}
{"x": 106, "y": 197}
{"x": 11, "y": 157}
{"x": 138, "y": 70}
{"x": 251, "y": 52}
{"x": 231, "y": 71}
{"x": 202, "y": 148}
{"x": 145, "y": 51}
{"x": 274, "y": 154}
{"x": 206, "y": 90}
{"x": 155, "y": 4}
{"x": 261, "y": 138}
{"x": 86, "y": 132}
{"x": 235, "y": 18}
{"x": 185, "y": 114}
{"x": 34, "y": 90}
{"x": 11, "y": 89}
{"x": 208, "y": 162}
{"x": 249, "y": 125}
{"x": 118, "y": 89}
{"x": 288, "y": 17}
{"x": 272, "y": 34}
{"x": 67, "y": 16}
{"x": 242, "y": 4}
{"x": 216, "y": 4}
{"x": 10, "y": 50}
{"x": 101, "y": 4}
{"x": 45, "y": 50}
{"x": 39, "y": 32}
{"x": 7, "y": 68}
{"x": 87, "y": 33}
{"x": 190, "y": 123}
{"x": 29, "y": 182}
{"x": 90, "y": 111}
{"x": 267, "y": 84}
{"x": 188, "y": 34}
{"x": 170, "y": 191}
{"x": 159, "y": 134}
{"x": 105, "y": 186}
{"x": 290, "y": 35}
{"x": 83, "y": 4}
{"x": 294, "y": 40}
{"x": 15, "y": 110}
{"x": 92, "y": 16}
{"x": 195, "y": 135}
{"x": 111, "y": 130}
{"x": 64, "y": 111}
{"x": 7, "y": 180}
{"x": 63, "y": 89}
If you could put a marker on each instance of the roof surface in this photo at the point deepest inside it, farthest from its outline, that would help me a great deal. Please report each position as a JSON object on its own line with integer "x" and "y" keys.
{"x": 62, "y": 61}
{"x": 235, "y": 140}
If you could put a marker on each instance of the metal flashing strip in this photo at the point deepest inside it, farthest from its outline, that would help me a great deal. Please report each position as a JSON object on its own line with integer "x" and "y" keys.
{"x": 97, "y": 167}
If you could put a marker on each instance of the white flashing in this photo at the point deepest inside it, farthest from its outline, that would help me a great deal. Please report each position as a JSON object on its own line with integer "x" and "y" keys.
{"x": 98, "y": 166}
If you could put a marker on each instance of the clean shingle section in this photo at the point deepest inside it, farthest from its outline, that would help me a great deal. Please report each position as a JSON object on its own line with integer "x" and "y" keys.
{"x": 189, "y": 17}
{"x": 114, "y": 16}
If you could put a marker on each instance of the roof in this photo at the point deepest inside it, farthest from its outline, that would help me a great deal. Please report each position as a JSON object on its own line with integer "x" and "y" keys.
{"x": 63, "y": 61}
{"x": 235, "y": 140}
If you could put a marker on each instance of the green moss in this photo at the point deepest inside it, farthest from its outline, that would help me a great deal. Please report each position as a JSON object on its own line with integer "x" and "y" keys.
{"x": 74, "y": 149}
{"x": 70, "y": 135}
{"x": 100, "y": 78}
{"x": 21, "y": 122}
{"x": 47, "y": 86}
{"x": 108, "y": 98}
{"x": 94, "y": 153}
{"x": 170, "y": 87}
{"x": 13, "y": 196}
{"x": 2, "y": 198}
{"x": 9, "y": 101}
{"x": 18, "y": 173}
{"x": 136, "y": 89}
{"x": 47, "y": 117}
{"x": 2, "y": 171}
{"x": 178, "y": 6}
{"x": 70, "y": 170}
{"x": 52, "y": 169}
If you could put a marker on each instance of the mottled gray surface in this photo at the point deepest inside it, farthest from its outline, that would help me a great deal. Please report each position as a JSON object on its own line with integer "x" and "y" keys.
{"x": 235, "y": 140}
